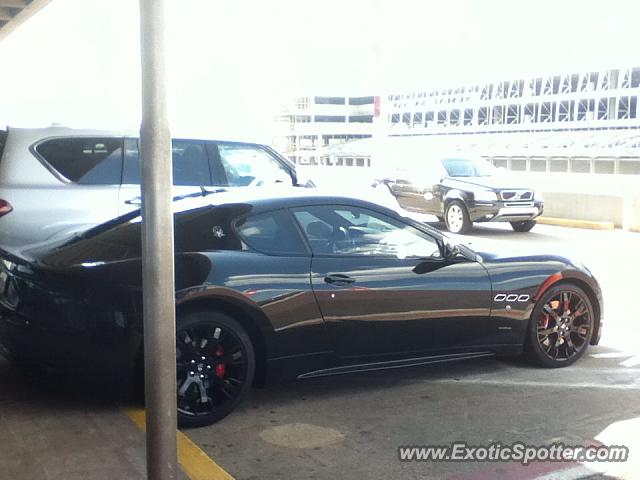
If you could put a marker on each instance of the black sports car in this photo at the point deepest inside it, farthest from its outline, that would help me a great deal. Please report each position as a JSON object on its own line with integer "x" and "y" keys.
{"x": 287, "y": 285}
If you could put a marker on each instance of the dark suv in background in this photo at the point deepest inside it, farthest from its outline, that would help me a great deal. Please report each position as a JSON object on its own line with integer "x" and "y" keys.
{"x": 57, "y": 178}
{"x": 460, "y": 191}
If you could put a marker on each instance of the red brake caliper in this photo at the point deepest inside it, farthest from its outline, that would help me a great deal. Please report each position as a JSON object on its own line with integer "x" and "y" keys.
{"x": 220, "y": 367}
{"x": 543, "y": 321}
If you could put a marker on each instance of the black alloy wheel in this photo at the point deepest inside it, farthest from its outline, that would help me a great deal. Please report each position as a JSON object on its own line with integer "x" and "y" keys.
{"x": 215, "y": 364}
{"x": 561, "y": 326}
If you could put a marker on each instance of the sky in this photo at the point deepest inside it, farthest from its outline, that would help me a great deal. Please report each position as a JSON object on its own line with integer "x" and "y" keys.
{"x": 231, "y": 63}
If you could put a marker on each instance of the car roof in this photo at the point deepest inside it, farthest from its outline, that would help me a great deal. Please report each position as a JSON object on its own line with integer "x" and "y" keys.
{"x": 32, "y": 135}
{"x": 267, "y": 198}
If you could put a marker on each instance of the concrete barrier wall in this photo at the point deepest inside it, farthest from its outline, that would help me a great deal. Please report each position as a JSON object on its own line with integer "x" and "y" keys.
{"x": 594, "y": 197}
{"x": 584, "y": 206}
{"x": 632, "y": 214}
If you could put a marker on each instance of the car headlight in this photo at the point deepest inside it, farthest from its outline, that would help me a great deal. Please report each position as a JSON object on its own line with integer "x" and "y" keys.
{"x": 485, "y": 196}
{"x": 537, "y": 195}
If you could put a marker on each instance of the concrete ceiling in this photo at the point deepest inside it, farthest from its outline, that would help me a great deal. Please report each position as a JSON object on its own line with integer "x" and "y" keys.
{"x": 15, "y": 12}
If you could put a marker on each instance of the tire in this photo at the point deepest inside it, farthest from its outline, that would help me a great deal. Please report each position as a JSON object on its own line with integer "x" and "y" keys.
{"x": 221, "y": 372}
{"x": 523, "y": 226}
{"x": 544, "y": 345}
{"x": 457, "y": 218}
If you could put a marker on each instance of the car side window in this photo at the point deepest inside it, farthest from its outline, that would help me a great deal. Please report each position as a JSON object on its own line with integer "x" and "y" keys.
{"x": 246, "y": 164}
{"x": 273, "y": 233}
{"x": 84, "y": 160}
{"x": 207, "y": 229}
{"x": 354, "y": 231}
{"x": 190, "y": 163}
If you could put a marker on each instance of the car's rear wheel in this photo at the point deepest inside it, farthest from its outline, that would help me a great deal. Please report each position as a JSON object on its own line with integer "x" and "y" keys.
{"x": 523, "y": 226}
{"x": 456, "y": 217}
{"x": 561, "y": 327}
{"x": 215, "y": 364}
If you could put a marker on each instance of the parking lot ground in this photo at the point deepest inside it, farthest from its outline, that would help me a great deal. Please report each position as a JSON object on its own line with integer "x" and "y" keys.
{"x": 350, "y": 427}
{"x": 51, "y": 430}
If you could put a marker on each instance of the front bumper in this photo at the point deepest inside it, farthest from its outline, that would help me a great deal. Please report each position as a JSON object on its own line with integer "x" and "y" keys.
{"x": 500, "y": 211}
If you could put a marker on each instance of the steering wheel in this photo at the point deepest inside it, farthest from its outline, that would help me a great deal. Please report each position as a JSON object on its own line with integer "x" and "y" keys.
{"x": 332, "y": 243}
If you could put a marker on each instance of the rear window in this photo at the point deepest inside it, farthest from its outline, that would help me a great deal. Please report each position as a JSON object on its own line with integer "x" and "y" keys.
{"x": 190, "y": 163}
{"x": 86, "y": 161}
{"x": 198, "y": 230}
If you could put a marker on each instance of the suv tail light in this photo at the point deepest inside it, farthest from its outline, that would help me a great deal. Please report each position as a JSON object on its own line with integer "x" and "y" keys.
{"x": 5, "y": 207}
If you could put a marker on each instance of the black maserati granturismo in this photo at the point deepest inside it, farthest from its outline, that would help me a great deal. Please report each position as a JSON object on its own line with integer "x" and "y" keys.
{"x": 289, "y": 284}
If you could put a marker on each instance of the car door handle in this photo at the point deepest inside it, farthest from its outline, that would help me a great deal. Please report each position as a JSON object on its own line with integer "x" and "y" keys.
{"x": 339, "y": 279}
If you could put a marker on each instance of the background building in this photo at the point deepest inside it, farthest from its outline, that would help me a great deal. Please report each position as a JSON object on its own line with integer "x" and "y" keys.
{"x": 309, "y": 127}
{"x": 582, "y": 122}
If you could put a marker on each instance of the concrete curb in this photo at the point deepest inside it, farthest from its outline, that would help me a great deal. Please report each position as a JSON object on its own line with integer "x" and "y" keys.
{"x": 568, "y": 222}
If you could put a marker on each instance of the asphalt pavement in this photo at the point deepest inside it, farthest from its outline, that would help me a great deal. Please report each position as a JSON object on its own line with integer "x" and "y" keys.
{"x": 350, "y": 427}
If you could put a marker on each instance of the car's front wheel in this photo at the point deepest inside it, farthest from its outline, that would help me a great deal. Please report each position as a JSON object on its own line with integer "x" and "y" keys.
{"x": 456, "y": 217}
{"x": 523, "y": 226}
{"x": 215, "y": 363}
{"x": 560, "y": 327}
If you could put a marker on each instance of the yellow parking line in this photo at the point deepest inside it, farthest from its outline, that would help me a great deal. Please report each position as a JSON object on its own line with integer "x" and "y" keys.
{"x": 194, "y": 462}
{"x": 568, "y": 222}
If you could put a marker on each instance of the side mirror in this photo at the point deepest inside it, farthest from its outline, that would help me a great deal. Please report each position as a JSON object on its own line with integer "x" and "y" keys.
{"x": 304, "y": 182}
{"x": 450, "y": 250}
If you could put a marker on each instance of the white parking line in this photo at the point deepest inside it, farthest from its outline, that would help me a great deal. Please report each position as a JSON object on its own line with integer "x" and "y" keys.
{"x": 610, "y": 355}
{"x": 631, "y": 362}
{"x": 631, "y": 359}
{"x": 568, "y": 474}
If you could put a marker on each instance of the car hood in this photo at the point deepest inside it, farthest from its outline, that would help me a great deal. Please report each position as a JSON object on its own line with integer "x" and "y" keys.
{"x": 519, "y": 256}
{"x": 495, "y": 182}
{"x": 534, "y": 258}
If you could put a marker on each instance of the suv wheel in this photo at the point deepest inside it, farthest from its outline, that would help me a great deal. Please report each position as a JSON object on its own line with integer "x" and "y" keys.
{"x": 456, "y": 217}
{"x": 524, "y": 226}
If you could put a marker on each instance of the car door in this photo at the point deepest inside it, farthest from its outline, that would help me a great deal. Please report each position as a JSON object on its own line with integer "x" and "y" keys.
{"x": 416, "y": 189}
{"x": 383, "y": 287}
{"x": 191, "y": 170}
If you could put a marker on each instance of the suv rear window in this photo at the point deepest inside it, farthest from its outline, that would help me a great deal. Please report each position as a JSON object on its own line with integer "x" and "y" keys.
{"x": 190, "y": 163}
{"x": 87, "y": 161}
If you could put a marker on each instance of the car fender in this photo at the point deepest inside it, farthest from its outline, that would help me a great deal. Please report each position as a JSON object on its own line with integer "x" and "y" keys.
{"x": 453, "y": 195}
{"x": 210, "y": 295}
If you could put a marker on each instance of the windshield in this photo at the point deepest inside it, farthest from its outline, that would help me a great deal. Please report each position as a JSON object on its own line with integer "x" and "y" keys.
{"x": 463, "y": 167}
{"x": 251, "y": 165}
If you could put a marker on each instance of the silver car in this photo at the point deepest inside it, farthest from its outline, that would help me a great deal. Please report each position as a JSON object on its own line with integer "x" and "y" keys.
{"x": 58, "y": 178}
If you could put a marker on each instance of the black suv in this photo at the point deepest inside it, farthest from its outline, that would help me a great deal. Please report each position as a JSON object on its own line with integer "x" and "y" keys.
{"x": 460, "y": 191}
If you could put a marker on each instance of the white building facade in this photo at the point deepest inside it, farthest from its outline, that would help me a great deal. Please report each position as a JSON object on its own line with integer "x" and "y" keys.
{"x": 582, "y": 122}
{"x": 309, "y": 127}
